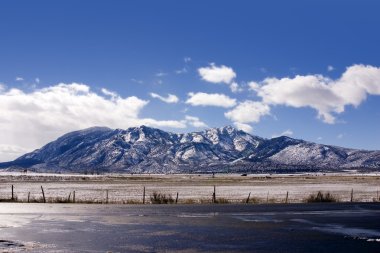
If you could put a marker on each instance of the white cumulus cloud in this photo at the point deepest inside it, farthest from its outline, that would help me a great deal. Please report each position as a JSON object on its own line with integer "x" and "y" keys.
{"x": 29, "y": 120}
{"x": 217, "y": 74}
{"x": 210, "y": 99}
{"x": 170, "y": 99}
{"x": 109, "y": 93}
{"x": 195, "y": 121}
{"x": 235, "y": 87}
{"x": 328, "y": 97}
{"x": 245, "y": 127}
{"x": 285, "y": 133}
{"x": 248, "y": 112}
{"x": 9, "y": 152}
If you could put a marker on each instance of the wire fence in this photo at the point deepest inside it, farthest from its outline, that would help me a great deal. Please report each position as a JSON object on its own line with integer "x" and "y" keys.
{"x": 144, "y": 194}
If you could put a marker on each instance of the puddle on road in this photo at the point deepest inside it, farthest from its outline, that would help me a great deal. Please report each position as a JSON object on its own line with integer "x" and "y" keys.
{"x": 13, "y": 221}
{"x": 355, "y": 233}
{"x": 369, "y": 235}
{"x": 197, "y": 215}
{"x": 257, "y": 219}
{"x": 10, "y": 246}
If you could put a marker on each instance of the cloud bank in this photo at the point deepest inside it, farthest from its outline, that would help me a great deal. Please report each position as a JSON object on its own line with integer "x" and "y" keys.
{"x": 194, "y": 121}
{"x": 287, "y": 132}
{"x": 327, "y": 96}
{"x": 217, "y": 74}
{"x": 248, "y": 112}
{"x": 29, "y": 120}
{"x": 213, "y": 99}
{"x": 245, "y": 127}
{"x": 170, "y": 99}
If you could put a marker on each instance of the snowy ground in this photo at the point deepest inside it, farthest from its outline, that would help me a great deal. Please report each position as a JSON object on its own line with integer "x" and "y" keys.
{"x": 191, "y": 188}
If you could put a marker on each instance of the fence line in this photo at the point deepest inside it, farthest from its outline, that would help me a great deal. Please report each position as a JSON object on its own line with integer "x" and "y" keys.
{"x": 208, "y": 195}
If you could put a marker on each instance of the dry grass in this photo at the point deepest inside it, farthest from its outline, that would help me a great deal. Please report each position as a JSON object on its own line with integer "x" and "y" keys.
{"x": 89, "y": 201}
{"x": 222, "y": 201}
{"x": 160, "y": 198}
{"x": 9, "y": 200}
{"x": 253, "y": 200}
{"x": 189, "y": 201}
{"x": 321, "y": 197}
{"x": 127, "y": 189}
{"x": 56, "y": 200}
{"x": 132, "y": 202}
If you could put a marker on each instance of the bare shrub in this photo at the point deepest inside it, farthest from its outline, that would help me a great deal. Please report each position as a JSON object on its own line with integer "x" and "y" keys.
{"x": 321, "y": 197}
{"x": 160, "y": 198}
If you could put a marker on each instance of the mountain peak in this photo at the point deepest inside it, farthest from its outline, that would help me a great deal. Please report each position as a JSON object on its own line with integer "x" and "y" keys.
{"x": 151, "y": 150}
{"x": 229, "y": 129}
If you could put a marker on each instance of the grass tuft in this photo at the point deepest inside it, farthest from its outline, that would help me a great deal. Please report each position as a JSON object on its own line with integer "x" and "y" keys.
{"x": 132, "y": 202}
{"x": 222, "y": 201}
{"x": 9, "y": 200}
{"x": 190, "y": 201}
{"x": 160, "y": 198}
{"x": 321, "y": 197}
{"x": 252, "y": 200}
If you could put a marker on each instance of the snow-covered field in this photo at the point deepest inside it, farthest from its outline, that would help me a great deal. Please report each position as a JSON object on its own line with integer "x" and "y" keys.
{"x": 124, "y": 188}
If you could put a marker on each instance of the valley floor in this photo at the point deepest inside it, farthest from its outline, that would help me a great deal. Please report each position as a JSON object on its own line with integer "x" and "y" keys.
{"x": 194, "y": 188}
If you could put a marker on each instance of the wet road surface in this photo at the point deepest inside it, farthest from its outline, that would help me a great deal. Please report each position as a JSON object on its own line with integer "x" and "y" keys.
{"x": 190, "y": 228}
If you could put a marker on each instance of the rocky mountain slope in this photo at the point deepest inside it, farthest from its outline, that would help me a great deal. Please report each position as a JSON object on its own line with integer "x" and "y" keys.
{"x": 149, "y": 150}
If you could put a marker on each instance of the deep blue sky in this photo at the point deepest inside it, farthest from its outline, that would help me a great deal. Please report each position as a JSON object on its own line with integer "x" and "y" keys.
{"x": 111, "y": 44}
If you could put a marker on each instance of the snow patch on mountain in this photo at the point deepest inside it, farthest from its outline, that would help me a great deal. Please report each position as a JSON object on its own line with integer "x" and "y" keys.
{"x": 150, "y": 150}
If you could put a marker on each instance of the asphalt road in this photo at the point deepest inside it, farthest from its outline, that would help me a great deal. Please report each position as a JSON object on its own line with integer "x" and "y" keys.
{"x": 190, "y": 228}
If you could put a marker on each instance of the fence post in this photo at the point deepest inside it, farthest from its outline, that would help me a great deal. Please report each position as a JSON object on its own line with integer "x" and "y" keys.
{"x": 247, "y": 201}
{"x": 144, "y": 195}
{"x": 176, "y": 199}
{"x": 214, "y": 195}
{"x": 68, "y": 199}
{"x": 286, "y": 199}
{"x": 352, "y": 195}
{"x": 107, "y": 196}
{"x": 28, "y": 197}
{"x": 43, "y": 194}
{"x": 12, "y": 199}
{"x": 73, "y": 196}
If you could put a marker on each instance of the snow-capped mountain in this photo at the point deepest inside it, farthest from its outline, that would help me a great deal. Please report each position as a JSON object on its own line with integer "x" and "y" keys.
{"x": 150, "y": 150}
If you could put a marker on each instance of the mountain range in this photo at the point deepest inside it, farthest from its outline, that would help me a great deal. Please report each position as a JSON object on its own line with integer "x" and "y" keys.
{"x": 150, "y": 150}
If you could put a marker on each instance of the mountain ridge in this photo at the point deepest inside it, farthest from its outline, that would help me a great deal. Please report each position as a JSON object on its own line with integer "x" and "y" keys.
{"x": 226, "y": 149}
